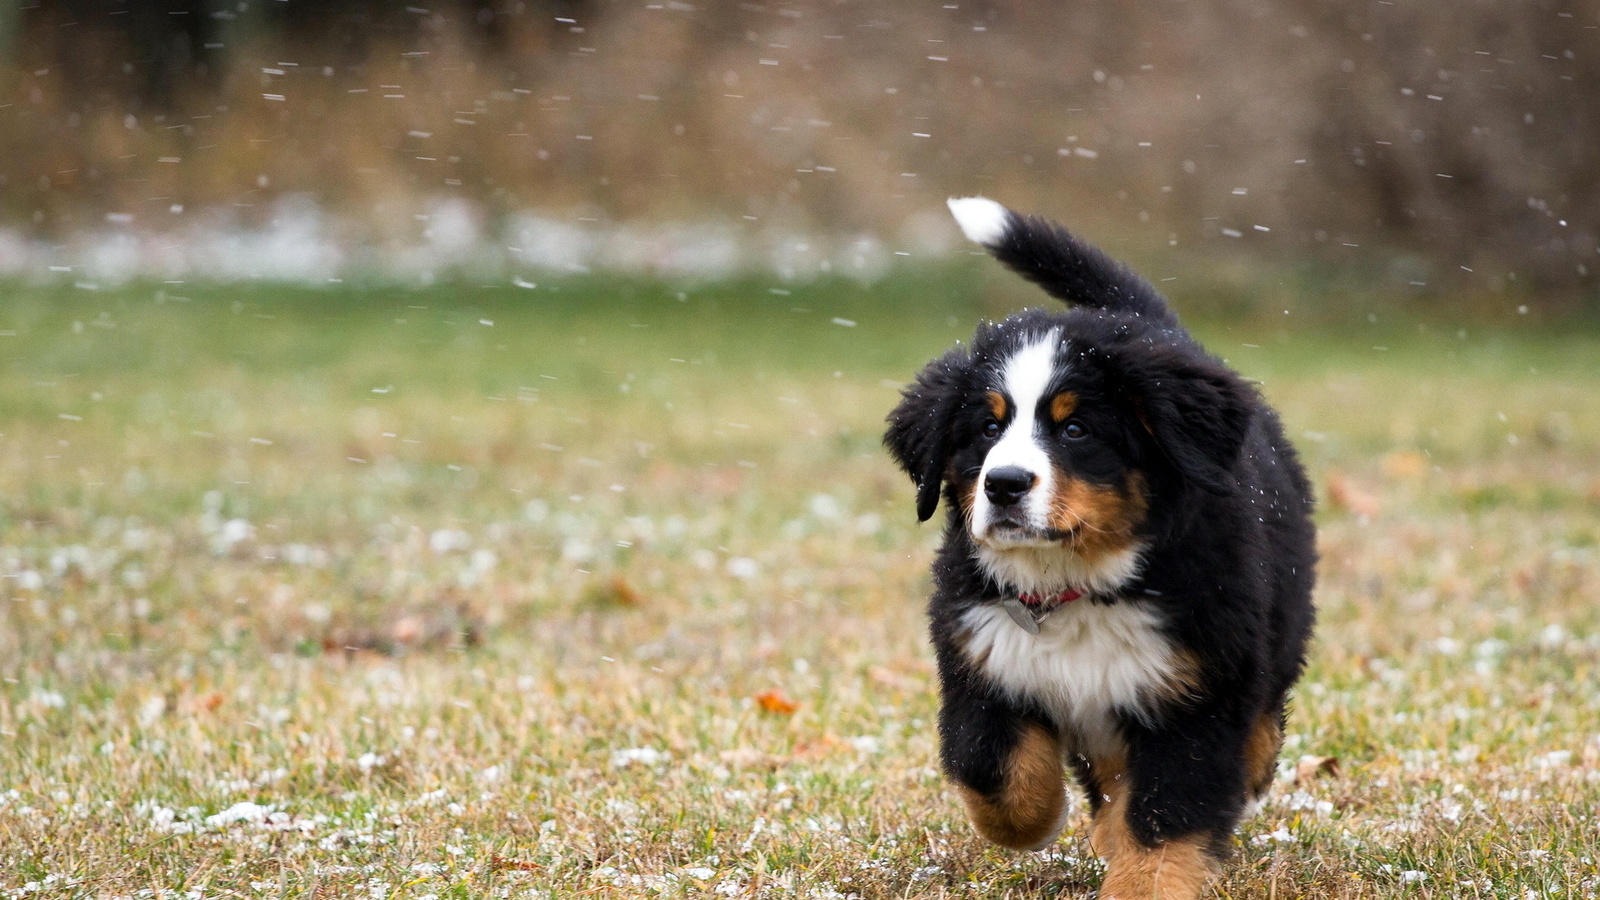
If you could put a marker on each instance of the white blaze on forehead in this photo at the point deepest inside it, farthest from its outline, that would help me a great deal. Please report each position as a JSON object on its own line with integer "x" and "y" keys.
{"x": 1030, "y": 370}
{"x": 982, "y": 220}
{"x": 1025, "y": 378}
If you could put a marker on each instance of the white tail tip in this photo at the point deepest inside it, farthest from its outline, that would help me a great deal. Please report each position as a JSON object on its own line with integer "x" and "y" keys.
{"x": 982, "y": 220}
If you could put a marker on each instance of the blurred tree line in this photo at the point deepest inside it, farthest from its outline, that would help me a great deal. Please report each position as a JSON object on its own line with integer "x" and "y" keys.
{"x": 1447, "y": 148}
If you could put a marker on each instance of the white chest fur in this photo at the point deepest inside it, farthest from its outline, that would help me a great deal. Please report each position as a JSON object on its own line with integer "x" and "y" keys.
{"x": 1088, "y": 661}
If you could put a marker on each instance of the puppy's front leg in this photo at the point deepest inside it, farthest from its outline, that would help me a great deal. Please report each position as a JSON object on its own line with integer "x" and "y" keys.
{"x": 1007, "y": 766}
{"x": 1174, "y": 870}
{"x": 1167, "y": 811}
{"x": 1169, "y": 869}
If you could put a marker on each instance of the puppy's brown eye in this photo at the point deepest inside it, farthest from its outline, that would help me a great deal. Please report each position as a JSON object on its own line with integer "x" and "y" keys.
{"x": 1074, "y": 431}
{"x": 991, "y": 429}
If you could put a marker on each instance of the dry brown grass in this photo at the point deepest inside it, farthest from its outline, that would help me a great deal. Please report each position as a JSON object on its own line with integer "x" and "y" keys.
{"x": 1433, "y": 154}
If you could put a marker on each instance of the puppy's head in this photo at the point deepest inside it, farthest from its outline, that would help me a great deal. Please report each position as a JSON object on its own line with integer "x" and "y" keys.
{"x": 1054, "y": 434}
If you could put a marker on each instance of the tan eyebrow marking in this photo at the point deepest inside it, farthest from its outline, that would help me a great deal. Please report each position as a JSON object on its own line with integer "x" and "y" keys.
{"x": 1062, "y": 405}
{"x": 997, "y": 404}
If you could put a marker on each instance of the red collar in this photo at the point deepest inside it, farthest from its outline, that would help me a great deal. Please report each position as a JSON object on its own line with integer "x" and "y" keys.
{"x": 1066, "y": 596}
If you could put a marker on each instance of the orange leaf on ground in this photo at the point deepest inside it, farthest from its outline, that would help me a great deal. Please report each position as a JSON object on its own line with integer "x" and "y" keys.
{"x": 1343, "y": 494}
{"x": 773, "y": 701}
{"x": 625, "y": 593}
{"x": 518, "y": 865}
{"x": 817, "y": 748}
{"x": 1405, "y": 464}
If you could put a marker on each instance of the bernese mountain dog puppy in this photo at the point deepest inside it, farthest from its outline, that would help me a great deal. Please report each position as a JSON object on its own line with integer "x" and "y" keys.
{"x": 1124, "y": 587}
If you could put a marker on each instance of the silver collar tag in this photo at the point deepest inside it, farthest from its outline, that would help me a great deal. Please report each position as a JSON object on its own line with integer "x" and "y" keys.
{"x": 1021, "y": 614}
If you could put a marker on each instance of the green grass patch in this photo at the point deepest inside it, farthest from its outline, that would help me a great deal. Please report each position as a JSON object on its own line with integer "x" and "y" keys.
{"x": 486, "y": 591}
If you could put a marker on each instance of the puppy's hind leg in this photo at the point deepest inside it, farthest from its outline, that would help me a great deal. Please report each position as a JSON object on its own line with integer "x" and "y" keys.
{"x": 1261, "y": 758}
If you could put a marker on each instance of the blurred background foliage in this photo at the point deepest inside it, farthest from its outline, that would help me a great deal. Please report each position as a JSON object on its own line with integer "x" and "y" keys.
{"x": 1445, "y": 153}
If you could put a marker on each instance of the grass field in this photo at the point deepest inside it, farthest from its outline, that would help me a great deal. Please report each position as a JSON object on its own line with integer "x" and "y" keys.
{"x": 605, "y": 588}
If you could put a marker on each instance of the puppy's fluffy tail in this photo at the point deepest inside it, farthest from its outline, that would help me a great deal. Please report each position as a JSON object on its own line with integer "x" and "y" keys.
{"x": 1050, "y": 256}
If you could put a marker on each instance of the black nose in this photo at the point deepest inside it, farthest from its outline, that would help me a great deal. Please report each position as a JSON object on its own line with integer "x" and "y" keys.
{"x": 1008, "y": 484}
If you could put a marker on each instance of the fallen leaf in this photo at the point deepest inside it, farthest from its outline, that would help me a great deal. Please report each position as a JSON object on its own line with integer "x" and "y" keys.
{"x": 615, "y": 593}
{"x": 817, "y": 748}
{"x": 1310, "y": 767}
{"x": 1343, "y": 494}
{"x": 518, "y": 865}
{"x": 773, "y": 701}
{"x": 626, "y": 594}
{"x": 408, "y": 629}
{"x": 1404, "y": 464}
{"x": 211, "y": 701}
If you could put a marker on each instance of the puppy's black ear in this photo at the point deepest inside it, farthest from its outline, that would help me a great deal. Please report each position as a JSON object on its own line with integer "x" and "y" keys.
{"x": 919, "y": 428}
{"x": 1197, "y": 410}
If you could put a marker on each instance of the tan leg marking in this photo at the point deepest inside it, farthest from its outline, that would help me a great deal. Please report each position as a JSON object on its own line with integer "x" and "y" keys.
{"x": 1175, "y": 870}
{"x": 1108, "y": 831}
{"x": 1261, "y": 754}
{"x": 1184, "y": 683}
{"x": 1029, "y": 811}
